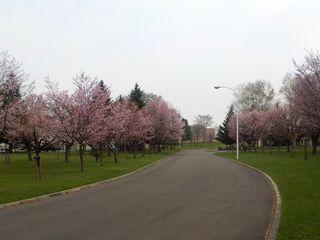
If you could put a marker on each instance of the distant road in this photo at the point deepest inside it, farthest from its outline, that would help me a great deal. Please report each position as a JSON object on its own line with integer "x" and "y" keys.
{"x": 191, "y": 195}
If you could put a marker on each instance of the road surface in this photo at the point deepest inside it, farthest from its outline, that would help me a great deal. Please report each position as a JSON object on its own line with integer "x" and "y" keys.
{"x": 191, "y": 195}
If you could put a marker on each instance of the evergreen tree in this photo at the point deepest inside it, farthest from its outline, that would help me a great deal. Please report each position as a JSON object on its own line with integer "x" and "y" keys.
{"x": 102, "y": 85}
{"x": 137, "y": 96}
{"x": 223, "y": 132}
{"x": 186, "y": 130}
{"x": 106, "y": 90}
{"x": 120, "y": 99}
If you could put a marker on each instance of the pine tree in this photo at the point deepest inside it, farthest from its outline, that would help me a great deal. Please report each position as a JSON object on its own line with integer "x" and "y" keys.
{"x": 105, "y": 89}
{"x": 102, "y": 85}
{"x": 186, "y": 130}
{"x": 137, "y": 96}
{"x": 120, "y": 99}
{"x": 223, "y": 132}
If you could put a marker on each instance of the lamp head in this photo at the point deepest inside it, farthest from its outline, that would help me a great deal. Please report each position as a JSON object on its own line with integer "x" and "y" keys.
{"x": 216, "y": 87}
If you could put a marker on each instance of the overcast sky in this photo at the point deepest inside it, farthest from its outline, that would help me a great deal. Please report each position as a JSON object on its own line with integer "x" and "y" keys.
{"x": 177, "y": 49}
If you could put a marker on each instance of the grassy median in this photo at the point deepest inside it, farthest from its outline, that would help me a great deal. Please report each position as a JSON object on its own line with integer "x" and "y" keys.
{"x": 299, "y": 184}
{"x": 17, "y": 179}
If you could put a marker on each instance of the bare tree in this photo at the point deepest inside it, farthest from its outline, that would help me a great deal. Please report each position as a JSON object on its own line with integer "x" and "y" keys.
{"x": 258, "y": 95}
{"x": 204, "y": 121}
{"x": 196, "y": 132}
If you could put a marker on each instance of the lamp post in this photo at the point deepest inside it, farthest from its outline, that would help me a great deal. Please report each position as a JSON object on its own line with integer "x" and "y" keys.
{"x": 237, "y": 116}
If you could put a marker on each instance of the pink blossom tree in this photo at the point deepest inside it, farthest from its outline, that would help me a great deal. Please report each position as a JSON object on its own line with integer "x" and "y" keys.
{"x": 303, "y": 94}
{"x": 116, "y": 132}
{"x": 31, "y": 121}
{"x": 77, "y": 114}
{"x": 87, "y": 101}
{"x": 284, "y": 124}
{"x": 139, "y": 128}
{"x": 251, "y": 128}
{"x": 101, "y": 130}
{"x": 60, "y": 105}
{"x": 174, "y": 128}
{"x": 13, "y": 87}
{"x": 166, "y": 122}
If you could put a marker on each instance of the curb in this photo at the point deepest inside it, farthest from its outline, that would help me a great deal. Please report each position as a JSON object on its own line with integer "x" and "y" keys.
{"x": 273, "y": 226}
{"x": 76, "y": 189}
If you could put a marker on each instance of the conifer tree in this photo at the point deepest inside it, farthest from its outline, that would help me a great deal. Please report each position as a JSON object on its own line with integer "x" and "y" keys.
{"x": 186, "y": 130}
{"x": 137, "y": 96}
{"x": 223, "y": 132}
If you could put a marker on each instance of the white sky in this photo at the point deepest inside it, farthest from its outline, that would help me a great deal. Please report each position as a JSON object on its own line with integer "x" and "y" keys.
{"x": 177, "y": 49}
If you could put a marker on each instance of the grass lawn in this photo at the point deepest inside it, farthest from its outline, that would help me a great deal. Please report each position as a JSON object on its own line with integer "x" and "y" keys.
{"x": 17, "y": 180}
{"x": 299, "y": 184}
{"x": 200, "y": 145}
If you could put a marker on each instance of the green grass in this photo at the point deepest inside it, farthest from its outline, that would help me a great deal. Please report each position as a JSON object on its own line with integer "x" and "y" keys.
{"x": 200, "y": 145}
{"x": 299, "y": 184}
{"x": 17, "y": 180}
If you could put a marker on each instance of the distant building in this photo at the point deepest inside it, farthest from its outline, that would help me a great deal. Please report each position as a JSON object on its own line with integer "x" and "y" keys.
{"x": 201, "y": 134}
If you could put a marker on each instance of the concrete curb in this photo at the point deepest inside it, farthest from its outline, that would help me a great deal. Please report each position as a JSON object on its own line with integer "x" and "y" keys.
{"x": 273, "y": 227}
{"x": 76, "y": 189}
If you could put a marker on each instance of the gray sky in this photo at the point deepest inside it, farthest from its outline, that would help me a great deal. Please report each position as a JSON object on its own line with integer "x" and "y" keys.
{"x": 177, "y": 49}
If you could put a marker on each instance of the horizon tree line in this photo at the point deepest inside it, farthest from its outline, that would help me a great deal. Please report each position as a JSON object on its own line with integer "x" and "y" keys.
{"x": 88, "y": 116}
{"x": 295, "y": 119}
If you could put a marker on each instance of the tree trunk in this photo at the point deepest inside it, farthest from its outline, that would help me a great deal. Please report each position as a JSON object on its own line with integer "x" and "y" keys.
{"x": 314, "y": 149}
{"x": 29, "y": 152}
{"x": 270, "y": 148}
{"x": 81, "y": 157}
{"x": 314, "y": 145}
{"x": 6, "y": 154}
{"x": 292, "y": 151}
{"x": 305, "y": 152}
{"x": 38, "y": 165}
{"x": 6, "y": 157}
{"x": 66, "y": 153}
{"x": 115, "y": 157}
{"x": 113, "y": 150}
{"x": 134, "y": 151}
{"x": 101, "y": 157}
{"x": 143, "y": 149}
{"x": 126, "y": 151}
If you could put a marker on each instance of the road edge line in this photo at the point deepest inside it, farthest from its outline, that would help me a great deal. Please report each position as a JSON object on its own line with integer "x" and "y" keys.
{"x": 273, "y": 226}
{"x": 77, "y": 189}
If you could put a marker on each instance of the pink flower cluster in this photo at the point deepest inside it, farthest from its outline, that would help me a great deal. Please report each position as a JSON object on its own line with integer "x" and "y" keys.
{"x": 88, "y": 116}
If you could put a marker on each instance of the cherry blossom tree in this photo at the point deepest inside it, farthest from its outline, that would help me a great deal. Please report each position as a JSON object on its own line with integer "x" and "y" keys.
{"x": 31, "y": 122}
{"x": 284, "y": 124}
{"x": 87, "y": 101}
{"x": 139, "y": 128}
{"x": 167, "y": 124}
{"x": 116, "y": 131}
{"x": 77, "y": 114}
{"x": 251, "y": 127}
{"x": 101, "y": 130}
{"x": 174, "y": 128}
{"x": 61, "y": 107}
{"x": 303, "y": 94}
{"x": 13, "y": 87}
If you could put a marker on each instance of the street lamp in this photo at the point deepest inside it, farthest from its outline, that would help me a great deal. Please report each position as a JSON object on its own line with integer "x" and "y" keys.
{"x": 237, "y": 116}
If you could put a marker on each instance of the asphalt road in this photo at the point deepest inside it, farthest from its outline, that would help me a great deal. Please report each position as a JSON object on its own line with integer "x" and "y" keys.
{"x": 191, "y": 195}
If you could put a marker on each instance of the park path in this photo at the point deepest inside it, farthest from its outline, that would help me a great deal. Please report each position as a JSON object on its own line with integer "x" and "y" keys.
{"x": 190, "y": 195}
